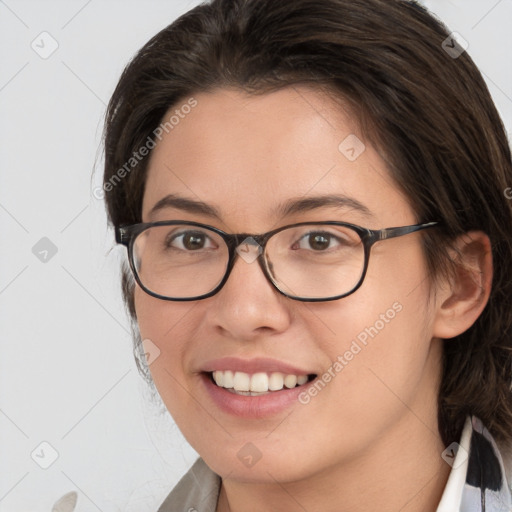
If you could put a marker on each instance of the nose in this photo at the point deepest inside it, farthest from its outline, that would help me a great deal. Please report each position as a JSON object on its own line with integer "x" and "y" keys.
{"x": 248, "y": 305}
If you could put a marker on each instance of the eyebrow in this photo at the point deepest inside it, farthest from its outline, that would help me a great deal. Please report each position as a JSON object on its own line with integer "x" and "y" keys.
{"x": 187, "y": 205}
{"x": 292, "y": 206}
{"x": 312, "y": 203}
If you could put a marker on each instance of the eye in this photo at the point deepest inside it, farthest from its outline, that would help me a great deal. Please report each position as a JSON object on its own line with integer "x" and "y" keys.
{"x": 319, "y": 241}
{"x": 190, "y": 241}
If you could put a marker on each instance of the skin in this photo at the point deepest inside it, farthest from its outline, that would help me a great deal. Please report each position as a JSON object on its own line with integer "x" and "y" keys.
{"x": 369, "y": 440}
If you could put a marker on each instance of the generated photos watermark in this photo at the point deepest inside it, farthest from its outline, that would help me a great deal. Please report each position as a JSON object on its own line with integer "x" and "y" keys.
{"x": 357, "y": 345}
{"x": 144, "y": 150}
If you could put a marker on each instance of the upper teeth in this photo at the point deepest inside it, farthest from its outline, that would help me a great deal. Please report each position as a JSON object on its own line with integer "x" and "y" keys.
{"x": 257, "y": 382}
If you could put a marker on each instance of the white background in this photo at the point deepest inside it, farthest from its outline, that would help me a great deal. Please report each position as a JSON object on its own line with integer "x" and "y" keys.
{"x": 67, "y": 375}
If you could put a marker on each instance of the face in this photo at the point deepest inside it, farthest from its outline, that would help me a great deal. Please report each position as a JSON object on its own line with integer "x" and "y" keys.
{"x": 366, "y": 355}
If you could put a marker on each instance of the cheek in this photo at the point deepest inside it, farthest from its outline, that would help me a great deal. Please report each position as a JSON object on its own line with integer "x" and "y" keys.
{"x": 380, "y": 367}
{"x": 384, "y": 334}
{"x": 165, "y": 326}
{"x": 401, "y": 324}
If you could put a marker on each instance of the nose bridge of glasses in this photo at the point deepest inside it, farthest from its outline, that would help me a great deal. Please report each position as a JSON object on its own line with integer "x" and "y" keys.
{"x": 251, "y": 248}
{"x": 248, "y": 247}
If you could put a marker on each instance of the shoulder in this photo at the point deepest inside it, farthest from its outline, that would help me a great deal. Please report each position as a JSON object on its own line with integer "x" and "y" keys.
{"x": 197, "y": 490}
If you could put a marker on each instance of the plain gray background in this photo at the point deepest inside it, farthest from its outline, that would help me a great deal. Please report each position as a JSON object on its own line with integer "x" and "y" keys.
{"x": 67, "y": 376}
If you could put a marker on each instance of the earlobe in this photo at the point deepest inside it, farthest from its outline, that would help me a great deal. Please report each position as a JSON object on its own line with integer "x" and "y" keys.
{"x": 461, "y": 299}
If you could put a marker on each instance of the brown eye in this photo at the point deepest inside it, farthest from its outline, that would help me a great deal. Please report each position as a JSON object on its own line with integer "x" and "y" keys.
{"x": 190, "y": 241}
{"x": 193, "y": 241}
{"x": 319, "y": 241}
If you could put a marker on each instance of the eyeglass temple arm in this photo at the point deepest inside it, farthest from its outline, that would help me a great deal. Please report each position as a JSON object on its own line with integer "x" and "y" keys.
{"x": 384, "y": 234}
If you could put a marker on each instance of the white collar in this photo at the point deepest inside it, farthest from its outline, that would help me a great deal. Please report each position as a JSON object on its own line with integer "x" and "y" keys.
{"x": 477, "y": 458}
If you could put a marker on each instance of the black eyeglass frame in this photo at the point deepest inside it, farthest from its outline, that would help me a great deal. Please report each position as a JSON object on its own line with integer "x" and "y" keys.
{"x": 126, "y": 235}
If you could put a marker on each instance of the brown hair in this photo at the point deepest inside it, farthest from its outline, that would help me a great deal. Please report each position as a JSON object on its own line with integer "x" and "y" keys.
{"x": 428, "y": 112}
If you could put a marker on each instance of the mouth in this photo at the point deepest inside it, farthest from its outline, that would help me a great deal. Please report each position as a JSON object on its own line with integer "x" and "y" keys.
{"x": 257, "y": 384}
{"x": 255, "y": 388}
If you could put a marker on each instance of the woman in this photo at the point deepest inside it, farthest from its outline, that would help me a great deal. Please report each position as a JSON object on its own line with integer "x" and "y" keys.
{"x": 312, "y": 197}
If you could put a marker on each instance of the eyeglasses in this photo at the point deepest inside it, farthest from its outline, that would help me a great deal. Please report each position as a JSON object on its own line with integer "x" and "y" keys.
{"x": 310, "y": 261}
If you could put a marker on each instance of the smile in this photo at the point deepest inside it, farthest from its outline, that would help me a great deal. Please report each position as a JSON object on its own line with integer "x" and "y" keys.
{"x": 255, "y": 388}
{"x": 257, "y": 384}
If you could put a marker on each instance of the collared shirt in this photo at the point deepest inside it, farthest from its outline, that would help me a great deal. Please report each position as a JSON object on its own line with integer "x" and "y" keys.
{"x": 477, "y": 481}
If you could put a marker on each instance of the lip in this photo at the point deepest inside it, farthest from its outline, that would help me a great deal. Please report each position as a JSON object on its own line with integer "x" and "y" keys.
{"x": 252, "y": 407}
{"x": 255, "y": 365}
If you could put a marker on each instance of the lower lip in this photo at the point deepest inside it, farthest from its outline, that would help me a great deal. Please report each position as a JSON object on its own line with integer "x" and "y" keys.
{"x": 252, "y": 407}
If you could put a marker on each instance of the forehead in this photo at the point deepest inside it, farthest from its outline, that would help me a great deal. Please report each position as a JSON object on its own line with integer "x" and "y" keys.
{"x": 247, "y": 154}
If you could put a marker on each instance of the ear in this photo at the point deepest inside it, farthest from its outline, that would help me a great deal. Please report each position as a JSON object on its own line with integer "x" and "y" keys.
{"x": 461, "y": 298}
